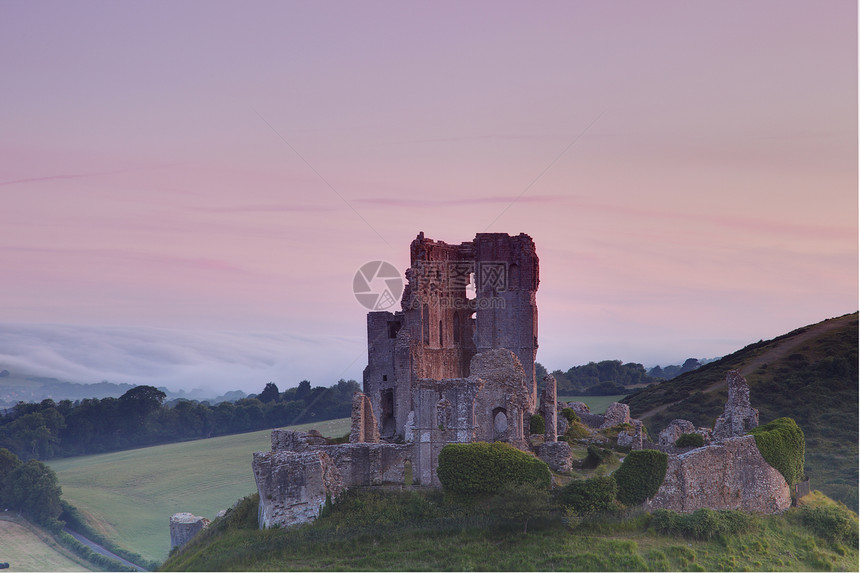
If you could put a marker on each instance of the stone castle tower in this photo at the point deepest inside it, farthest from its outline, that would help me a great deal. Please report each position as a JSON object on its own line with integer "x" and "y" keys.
{"x": 460, "y": 300}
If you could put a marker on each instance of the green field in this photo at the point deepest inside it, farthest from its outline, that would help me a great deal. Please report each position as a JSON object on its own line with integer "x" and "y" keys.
{"x": 27, "y": 548}
{"x": 129, "y": 496}
{"x": 597, "y": 404}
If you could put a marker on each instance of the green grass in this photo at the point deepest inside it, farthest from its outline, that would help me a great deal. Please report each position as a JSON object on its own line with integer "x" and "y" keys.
{"x": 597, "y": 404}
{"x": 809, "y": 375}
{"x": 27, "y": 547}
{"x": 129, "y": 496}
{"x": 413, "y": 531}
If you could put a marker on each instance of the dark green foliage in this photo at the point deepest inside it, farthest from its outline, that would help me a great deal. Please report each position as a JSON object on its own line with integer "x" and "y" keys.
{"x": 701, "y": 524}
{"x": 76, "y": 522}
{"x": 139, "y": 418}
{"x": 365, "y": 508}
{"x": 596, "y": 456}
{"x": 482, "y": 468}
{"x": 520, "y": 503}
{"x": 815, "y": 383}
{"x": 270, "y": 393}
{"x": 32, "y": 489}
{"x": 690, "y": 440}
{"x": 835, "y": 523}
{"x": 604, "y": 378}
{"x": 575, "y": 431}
{"x": 782, "y": 445}
{"x": 537, "y": 425}
{"x": 588, "y": 496}
{"x": 640, "y": 476}
{"x": 436, "y": 535}
{"x": 570, "y": 415}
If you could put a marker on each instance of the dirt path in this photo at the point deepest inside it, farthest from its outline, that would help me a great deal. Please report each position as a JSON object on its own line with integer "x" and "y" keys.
{"x": 101, "y": 550}
{"x": 782, "y": 349}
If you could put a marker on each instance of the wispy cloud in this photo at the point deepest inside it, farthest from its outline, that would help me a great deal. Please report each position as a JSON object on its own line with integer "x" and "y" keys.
{"x": 68, "y": 176}
{"x": 268, "y": 208}
{"x": 216, "y": 361}
{"x": 499, "y": 199}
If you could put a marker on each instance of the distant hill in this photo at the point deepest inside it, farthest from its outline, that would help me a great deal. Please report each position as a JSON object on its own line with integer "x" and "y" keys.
{"x": 809, "y": 374}
{"x": 21, "y": 387}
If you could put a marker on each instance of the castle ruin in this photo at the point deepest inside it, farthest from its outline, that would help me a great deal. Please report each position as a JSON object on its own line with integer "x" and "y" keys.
{"x": 457, "y": 365}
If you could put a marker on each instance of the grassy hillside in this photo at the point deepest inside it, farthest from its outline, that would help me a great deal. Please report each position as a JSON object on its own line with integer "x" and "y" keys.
{"x": 27, "y": 547}
{"x": 129, "y": 496}
{"x": 421, "y": 531}
{"x": 809, "y": 374}
{"x": 597, "y": 404}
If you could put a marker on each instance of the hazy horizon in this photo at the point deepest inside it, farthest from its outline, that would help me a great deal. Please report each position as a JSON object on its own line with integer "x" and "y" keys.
{"x": 189, "y": 187}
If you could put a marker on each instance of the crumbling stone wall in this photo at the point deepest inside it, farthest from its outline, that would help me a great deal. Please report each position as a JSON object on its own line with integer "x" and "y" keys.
{"x": 739, "y": 416}
{"x": 440, "y": 329}
{"x": 731, "y": 474}
{"x": 294, "y": 478}
{"x": 184, "y": 526}
{"x": 364, "y": 425}
{"x": 549, "y": 409}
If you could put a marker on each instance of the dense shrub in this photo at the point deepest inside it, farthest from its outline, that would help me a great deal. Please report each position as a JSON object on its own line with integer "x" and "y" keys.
{"x": 640, "y": 476}
{"x": 782, "y": 445}
{"x": 570, "y": 415}
{"x": 484, "y": 468}
{"x": 596, "y": 456}
{"x": 690, "y": 440}
{"x": 701, "y": 524}
{"x": 537, "y": 424}
{"x": 576, "y": 431}
{"x": 834, "y": 523}
{"x": 590, "y": 495}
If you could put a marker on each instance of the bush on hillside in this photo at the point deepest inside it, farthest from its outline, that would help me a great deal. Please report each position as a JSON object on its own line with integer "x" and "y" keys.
{"x": 481, "y": 468}
{"x": 596, "y": 456}
{"x": 640, "y": 476}
{"x": 588, "y": 496}
{"x": 690, "y": 440}
{"x": 783, "y": 446}
{"x": 701, "y": 524}
{"x": 835, "y": 523}
{"x": 570, "y": 415}
{"x": 537, "y": 424}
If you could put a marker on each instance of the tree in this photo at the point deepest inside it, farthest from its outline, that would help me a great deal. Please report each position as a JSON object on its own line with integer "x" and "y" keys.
{"x": 140, "y": 401}
{"x": 269, "y": 394}
{"x": 33, "y": 489}
{"x": 8, "y": 463}
{"x": 303, "y": 390}
{"x": 689, "y": 364}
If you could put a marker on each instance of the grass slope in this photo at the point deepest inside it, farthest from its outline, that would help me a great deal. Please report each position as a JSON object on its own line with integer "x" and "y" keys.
{"x": 413, "y": 531}
{"x": 597, "y": 404}
{"x": 27, "y": 547}
{"x": 129, "y": 496}
{"x": 809, "y": 374}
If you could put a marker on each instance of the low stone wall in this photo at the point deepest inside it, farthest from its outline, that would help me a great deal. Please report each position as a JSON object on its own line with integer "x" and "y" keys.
{"x": 731, "y": 474}
{"x": 294, "y": 478}
{"x": 293, "y": 485}
{"x": 184, "y": 526}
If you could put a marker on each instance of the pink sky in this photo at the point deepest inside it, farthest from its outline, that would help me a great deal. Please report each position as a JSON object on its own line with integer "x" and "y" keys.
{"x": 688, "y": 170}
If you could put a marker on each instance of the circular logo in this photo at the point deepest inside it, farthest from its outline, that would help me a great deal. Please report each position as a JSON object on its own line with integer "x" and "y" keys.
{"x": 377, "y": 285}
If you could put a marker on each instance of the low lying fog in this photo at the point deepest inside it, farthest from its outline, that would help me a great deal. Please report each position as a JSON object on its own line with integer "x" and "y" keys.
{"x": 213, "y": 361}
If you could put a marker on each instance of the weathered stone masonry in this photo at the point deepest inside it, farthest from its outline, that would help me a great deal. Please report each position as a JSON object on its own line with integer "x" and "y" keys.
{"x": 446, "y": 368}
{"x": 453, "y": 369}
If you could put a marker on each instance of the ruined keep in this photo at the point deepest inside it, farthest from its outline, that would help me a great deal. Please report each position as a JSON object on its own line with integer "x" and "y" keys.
{"x": 456, "y": 364}
{"x": 454, "y": 368}
{"x": 440, "y": 329}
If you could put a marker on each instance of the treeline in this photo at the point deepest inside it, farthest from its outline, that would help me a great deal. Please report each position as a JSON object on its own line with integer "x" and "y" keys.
{"x": 611, "y": 377}
{"x": 140, "y": 417}
{"x": 32, "y": 489}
